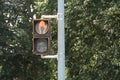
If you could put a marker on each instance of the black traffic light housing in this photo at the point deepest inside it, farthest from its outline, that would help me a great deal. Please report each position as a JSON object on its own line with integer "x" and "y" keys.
{"x": 41, "y": 40}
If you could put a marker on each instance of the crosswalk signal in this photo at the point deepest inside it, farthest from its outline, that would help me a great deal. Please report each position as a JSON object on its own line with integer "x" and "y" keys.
{"x": 41, "y": 37}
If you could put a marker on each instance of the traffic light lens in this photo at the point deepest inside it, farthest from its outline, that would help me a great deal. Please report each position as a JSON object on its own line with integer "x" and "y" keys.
{"x": 42, "y": 27}
{"x": 41, "y": 45}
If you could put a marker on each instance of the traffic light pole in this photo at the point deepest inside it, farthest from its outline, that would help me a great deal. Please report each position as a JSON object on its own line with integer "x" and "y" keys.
{"x": 61, "y": 41}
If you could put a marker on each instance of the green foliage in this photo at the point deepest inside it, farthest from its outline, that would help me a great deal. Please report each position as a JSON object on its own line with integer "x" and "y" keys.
{"x": 92, "y": 39}
{"x": 92, "y": 33}
{"x": 16, "y": 59}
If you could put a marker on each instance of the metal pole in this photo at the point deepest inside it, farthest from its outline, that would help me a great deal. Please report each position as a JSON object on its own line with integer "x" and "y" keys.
{"x": 61, "y": 41}
{"x": 49, "y": 16}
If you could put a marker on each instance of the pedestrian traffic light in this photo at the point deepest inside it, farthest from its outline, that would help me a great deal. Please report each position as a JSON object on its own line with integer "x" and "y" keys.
{"x": 41, "y": 37}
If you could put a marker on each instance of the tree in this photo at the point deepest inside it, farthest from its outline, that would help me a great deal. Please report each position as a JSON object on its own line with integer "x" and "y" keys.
{"x": 16, "y": 59}
{"x": 93, "y": 31}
